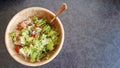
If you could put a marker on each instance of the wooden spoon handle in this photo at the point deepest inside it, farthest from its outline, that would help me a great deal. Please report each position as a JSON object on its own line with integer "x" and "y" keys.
{"x": 61, "y": 9}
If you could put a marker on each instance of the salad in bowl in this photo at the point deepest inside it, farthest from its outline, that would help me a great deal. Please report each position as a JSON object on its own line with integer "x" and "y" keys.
{"x": 31, "y": 39}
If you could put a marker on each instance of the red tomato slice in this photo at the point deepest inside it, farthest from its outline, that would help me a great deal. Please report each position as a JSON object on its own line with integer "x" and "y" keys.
{"x": 34, "y": 35}
{"x": 21, "y": 25}
{"x": 17, "y": 48}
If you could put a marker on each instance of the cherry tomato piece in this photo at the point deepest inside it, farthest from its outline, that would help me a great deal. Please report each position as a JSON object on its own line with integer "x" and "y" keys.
{"x": 17, "y": 48}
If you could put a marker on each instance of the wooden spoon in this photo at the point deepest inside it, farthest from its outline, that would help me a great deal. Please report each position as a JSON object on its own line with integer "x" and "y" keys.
{"x": 61, "y": 9}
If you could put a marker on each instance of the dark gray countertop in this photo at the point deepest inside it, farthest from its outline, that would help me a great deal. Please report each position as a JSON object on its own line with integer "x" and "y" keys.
{"x": 92, "y": 32}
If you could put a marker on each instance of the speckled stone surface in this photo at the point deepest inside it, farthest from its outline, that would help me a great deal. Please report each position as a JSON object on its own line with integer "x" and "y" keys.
{"x": 92, "y": 32}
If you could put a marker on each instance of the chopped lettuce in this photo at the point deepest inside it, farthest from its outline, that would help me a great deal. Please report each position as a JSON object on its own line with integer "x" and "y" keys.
{"x": 34, "y": 18}
{"x": 25, "y": 32}
{"x": 54, "y": 36}
{"x": 43, "y": 36}
{"x": 50, "y": 45}
{"x": 29, "y": 39}
{"x": 37, "y": 38}
{"x": 25, "y": 51}
{"x": 33, "y": 56}
{"x": 16, "y": 42}
{"x": 46, "y": 29}
{"x": 12, "y": 35}
{"x": 52, "y": 32}
{"x": 38, "y": 30}
{"x": 44, "y": 41}
{"x": 54, "y": 39}
{"x": 41, "y": 21}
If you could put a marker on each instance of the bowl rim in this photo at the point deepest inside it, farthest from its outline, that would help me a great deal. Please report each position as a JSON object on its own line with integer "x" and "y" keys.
{"x": 54, "y": 55}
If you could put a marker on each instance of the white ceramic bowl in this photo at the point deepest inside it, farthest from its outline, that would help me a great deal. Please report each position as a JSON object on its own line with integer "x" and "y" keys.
{"x": 24, "y": 14}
